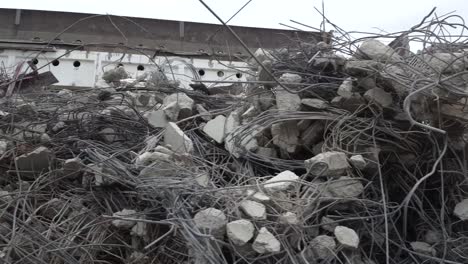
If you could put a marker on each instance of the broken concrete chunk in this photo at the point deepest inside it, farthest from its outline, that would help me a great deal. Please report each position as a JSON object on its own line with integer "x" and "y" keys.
{"x": 177, "y": 139}
{"x": 171, "y": 110}
{"x": 109, "y": 135}
{"x": 346, "y": 88}
{"x": 322, "y": 247}
{"x": 290, "y": 78}
{"x": 257, "y": 196}
{"x": 203, "y": 179}
{"x": 157, "y": 118}
{"x": 289, "y": 218}
{"x": 254, "y": 210}
{"x": 445, "y": 62}
{"x": 204, "y": 114}
{"x": 328, "y": 224}
{"x": 345, "y": 187}
{"x": 461, "y": 210}
{"x": 286, "y": 135}
{"x": 332, "y": 163}
{"x": 215, "y": 128}
{"x": 287, "y": 101}
{"x": 265, "y": 242}
{"x": 72, "y": 167}
{"x": 3, "y": 147}
{"x": 35, "y": 162}
{"x": 240, "y": 231}
{"x": 281, "y": 182}
{"x": 314, "y": 103}
{"x": 379, "y": 96}
{"x": 147, "y": 158}
{"x": 139, "y": 229}
{"x": 433, "y": 237}
{"x": 313, "y": 133}
{"x": 267, "y": 152}
{"x": 377, "y": 51}
{"x": 347, "y": 237}
{"x": 124, "y": 224}
{"x": 184, "y": 102}
{"x": 211, "y": 221}
{"x": 59, "y": 126}
{"x": 351, "y": 104}
{"x": 358, "y": 161}
{"x": 423, "y": 248}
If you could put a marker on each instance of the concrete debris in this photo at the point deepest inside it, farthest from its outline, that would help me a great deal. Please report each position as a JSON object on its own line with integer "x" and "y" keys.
{"x": 287, "y": 101}
{"x": 147, "y": 158}
{"x": 331, "y": 163}
{"x": 215, "y": 128}
{"x": 461, "y": 210}
{"x": 240, "y": 231}
{"x": 423, "y": 248}
{"x": 203, "y": 179}
{"x": 345, "y": 187}
{"x": 315, "y": 103}
{"x": 3, "y": 147}
{"x": 358, "y": 161}
{"x": 346, "y": 89}
{"x": 281, "y": 182}
{"x": 122, "y": 223}
{"x": 265, "y": 242}
{"x": 184, "y": 103}
{"x": 34, "y": 162}
{"x": 171, "y": 111}
{"x": 313, "y": 133}
{"x": 267, "y": 152}
{"x": 322, "y": 247}
{"x": 379, "y": 96}
{"x": 204, "y": 114}
{"x": 211, "y": 221}
{"x": 139, "y": 229}
{"x": 289, "y": 218}
{"x": 72, "y": 167}
{"x": 351, "y": 104}
{"x": 433, "y": 237}
{"x": 257, "y": 196}
{"x": 157, "y": 118}
{"x": 290, "y": 78}
{"x": 347, "y": 237}
{"x": 254, "y": 210}
{"x": 177, "y": 139}
{"x": 286, "y": 136}
{"x": 376, "y": 50}
{"x": 328, "y": 224}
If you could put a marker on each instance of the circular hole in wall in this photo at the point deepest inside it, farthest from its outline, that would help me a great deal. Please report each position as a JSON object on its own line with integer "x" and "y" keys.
{"x": 120, "y": 65}
{"x": 201, "y": 72}
{"x": 55, "y": 62}
{"x": 220, "y": 74}
{"x": 35, "y": 61}
{"x": 76, "y": 64}
{"x": 140, "y": 68}
{"x": 239, "y": 75}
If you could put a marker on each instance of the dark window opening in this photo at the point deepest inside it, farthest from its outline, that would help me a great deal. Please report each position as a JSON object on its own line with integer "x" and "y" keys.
{"x": 76, "y": 64}
{"x": 201, "y": 72}
{"x": 140, "y": 68}
{"x": 55, "y": 62}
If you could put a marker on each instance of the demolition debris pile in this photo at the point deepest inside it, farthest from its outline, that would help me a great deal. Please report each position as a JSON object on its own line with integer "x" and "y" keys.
{"x": 350, "y": 152}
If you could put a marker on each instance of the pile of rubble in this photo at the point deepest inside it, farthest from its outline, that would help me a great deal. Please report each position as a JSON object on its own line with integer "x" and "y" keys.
{"x": 323, "y": 158}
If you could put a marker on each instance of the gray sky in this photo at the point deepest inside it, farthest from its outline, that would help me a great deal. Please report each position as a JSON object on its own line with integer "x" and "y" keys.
{"x": 362, "y": 15}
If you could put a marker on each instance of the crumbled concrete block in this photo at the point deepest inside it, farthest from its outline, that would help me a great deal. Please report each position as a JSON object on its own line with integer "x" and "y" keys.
{"x": 322, "y": 247}
{"x": 204, "y": 114}
{"x": 377, "y": 51}
{"x": 257, "y": 196}
{"x": 240, "y": 231}
{"x": 109, "y": 135}
{"x": 290, "y": 78}
{"x": 379, "y": 96}
{"x": 461, "y": 210}
{"x": 286, "y": 135}
{"x": 5, "y": 197}
{"x": 264, "y": 101}
{"x": 447, "y": 63}
{"x": 315, "y": 103}
{"x": 346, "y": 88}
{"x": 171, "y": 111}
{"x": 367, "y": 82}
{"x": 345, "y": 187}
{"x": 72, "y": 167}
{"x": 254, "y": 210}
{"x": 203, "y": 179}
{"x": 332, "y": 163}
{"x": 352, "y": 104}
{"x": 267, "y": 152}
{"x": 328, "y": 224}
{"x": 59, "y": 126}
{"x": 238, "y": 143}
{"x": 347, "y": 237}
{"x": 289, "y": 218}
{"x": 157, "y": 118}
{"x": 215, "y": 128}
{"x": 266, "y": 242}
{"x": 433, "y": 237}
{"x": 45, "y": 138}
{"x": 34, "y": 162}
{"x": 423, "y": 248}
{"x": 177, "y": 139}
{"x": 124, "y": 224}
{"x": 249, "y": 113}
{"x": 358, "y": 161}
{"x": 147, "y": 158}
{"x": 3, "y": 147}
{"x": 139, "y": 229}
{"x": 313, "y": 133}
{"x": 287, "y": 101}
{"x": 184, "y": 102}
{"x": 163, "y": 150}
{"x": 211, "y": 221}
{"x": 281, "y": 182}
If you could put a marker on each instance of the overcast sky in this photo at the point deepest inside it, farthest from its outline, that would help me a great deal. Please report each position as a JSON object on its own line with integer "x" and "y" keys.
{"x": 362, "y": 15}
